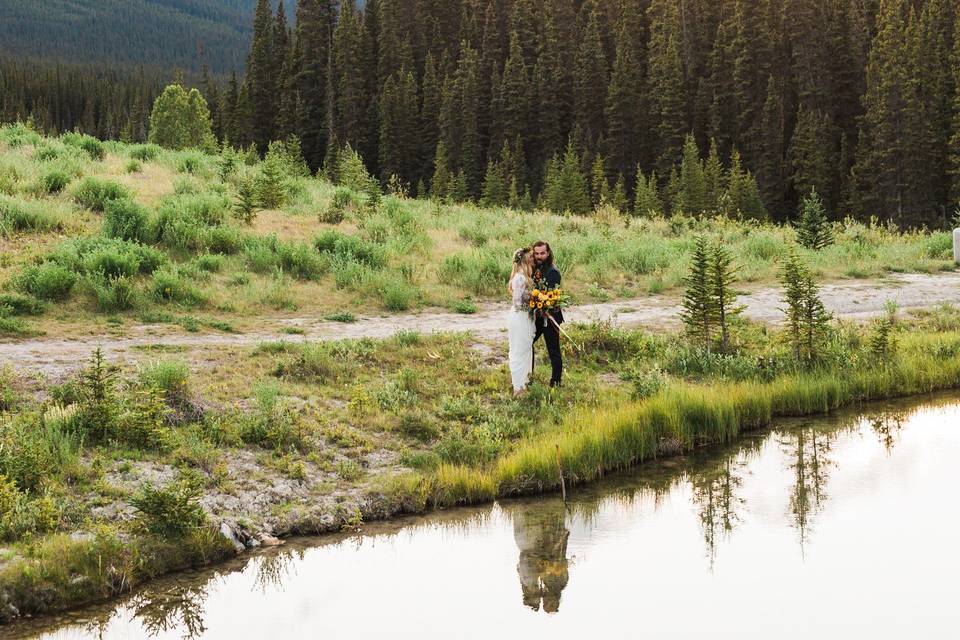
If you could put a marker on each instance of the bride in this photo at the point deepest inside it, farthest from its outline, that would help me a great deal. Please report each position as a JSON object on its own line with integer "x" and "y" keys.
{"x": 520, "y": 323}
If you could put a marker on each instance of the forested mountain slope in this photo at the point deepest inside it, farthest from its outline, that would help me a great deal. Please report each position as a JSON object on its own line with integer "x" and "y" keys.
{"x": 162, "y": 33}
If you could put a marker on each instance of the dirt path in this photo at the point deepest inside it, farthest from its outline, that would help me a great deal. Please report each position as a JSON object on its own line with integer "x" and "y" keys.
{"x": 857, "y": 300}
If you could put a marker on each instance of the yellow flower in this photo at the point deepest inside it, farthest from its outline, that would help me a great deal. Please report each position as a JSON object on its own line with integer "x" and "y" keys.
{"x": 539, "y": 305}
{"x": 533, "y": 304}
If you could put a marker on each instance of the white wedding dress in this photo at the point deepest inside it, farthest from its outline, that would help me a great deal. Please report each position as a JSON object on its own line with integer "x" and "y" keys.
{"x": 521, "y": 332}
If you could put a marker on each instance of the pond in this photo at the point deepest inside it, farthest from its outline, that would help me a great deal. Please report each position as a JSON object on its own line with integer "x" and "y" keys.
{"x": 839, "y": 526}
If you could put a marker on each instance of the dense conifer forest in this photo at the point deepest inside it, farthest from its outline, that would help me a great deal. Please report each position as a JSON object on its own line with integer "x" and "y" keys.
{"x": 640, "y": 103}
{"x": 161, "y": 33}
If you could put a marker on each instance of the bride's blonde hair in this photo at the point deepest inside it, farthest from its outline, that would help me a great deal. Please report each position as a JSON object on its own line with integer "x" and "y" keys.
{"x": 520, "y": 265}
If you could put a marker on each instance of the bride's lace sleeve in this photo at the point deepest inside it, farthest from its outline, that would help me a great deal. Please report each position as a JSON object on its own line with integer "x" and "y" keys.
{"x": 520, "y": 293}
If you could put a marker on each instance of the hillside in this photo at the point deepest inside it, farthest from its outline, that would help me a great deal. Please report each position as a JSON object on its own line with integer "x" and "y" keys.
{"x": 162, "y": 33}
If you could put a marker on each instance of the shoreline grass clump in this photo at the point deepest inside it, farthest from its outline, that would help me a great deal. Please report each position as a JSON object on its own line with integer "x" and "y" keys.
{"x": 593, "y": 442}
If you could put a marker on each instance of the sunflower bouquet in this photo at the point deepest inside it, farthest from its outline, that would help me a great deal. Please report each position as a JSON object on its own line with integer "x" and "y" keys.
{"x": 543, "y": 300}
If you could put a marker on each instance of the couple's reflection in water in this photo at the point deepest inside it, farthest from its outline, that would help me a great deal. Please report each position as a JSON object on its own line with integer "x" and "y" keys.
{"x": 541, "y": 534}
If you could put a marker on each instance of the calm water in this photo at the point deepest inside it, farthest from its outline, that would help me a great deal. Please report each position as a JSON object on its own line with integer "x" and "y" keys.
{"x": 836, "y": 528}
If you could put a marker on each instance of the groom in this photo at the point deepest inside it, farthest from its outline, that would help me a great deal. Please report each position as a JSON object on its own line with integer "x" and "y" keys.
{"x": 548, "y": 274}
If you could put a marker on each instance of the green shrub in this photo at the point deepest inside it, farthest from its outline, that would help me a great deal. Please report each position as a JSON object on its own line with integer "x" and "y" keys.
{"x": 342, "y": 316}
{"x": 145, "y": 152}
{"x": 191, "y": 163}
{"x": 466, "y": 307}
{"x": 211, "y": 263}
{"x": 12, "y": 326}
{"x": 296, "y": 259}
{"x": 17, "y": 214}
{"x": 171, "y": 377}
{"x": 55, "y": 181}
{"x": 25, "y": 457}
{"x": 133, "y": 166}
{"x": 126, "y": 220}
{"x": 8, "y": 395}
{"x": 173, "y": 511}
{"x": 9, "y": 177}
{"x": 46, "y": 281}
{"x": 301, "y": 261}
{"x": 48, "y": 152}
{"x": 273, "y": 424}
{"x": 113, "y": 292}
{"x": 645, "y": 382}
{"x": 95, "y": 193}
{"x": 350, "y": 248}
{"x": 314, "y": 362}
{"x": 111, "y": 263}
{"x": 88, "y": 144}
{"x": 939, "y": 246}
{"x": 226, "y": 240}
{"x": 397, "y": 294}
{"x": 260, "y": 256}
{"x": 170, "y": 286}
{"x": 186, "y": 221}
{"x": 21, "y": 516}
{"x": 20, "y": 305}
{"x": 418, "y": 425}
{"x": 342, "y": 200}
{"x": 479, "y": 273}
{"x": 112, "y": 255}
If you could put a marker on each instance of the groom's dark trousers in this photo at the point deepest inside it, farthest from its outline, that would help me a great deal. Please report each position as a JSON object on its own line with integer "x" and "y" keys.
{"x": 551, "y": 336}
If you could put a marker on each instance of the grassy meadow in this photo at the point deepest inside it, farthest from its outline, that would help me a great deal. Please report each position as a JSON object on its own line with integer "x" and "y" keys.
{"x": 91, "y": 231}
{"x": 112, "y": 475}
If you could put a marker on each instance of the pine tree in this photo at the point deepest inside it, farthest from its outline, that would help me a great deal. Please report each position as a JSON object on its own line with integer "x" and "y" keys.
{"x": 513, "y": 101}
{"x": 813, "y": 229}
{"x": 627, "y": 105}
{"x": 647, "y": 201}
{"x": 812, "y": 155}
{"x": 699, "y": 310}
{"x": 565, "y": 188}
{"x": 272, "y": 186}
{"x": 669, "y": 100}
{"x": 261, "y": 76}
{"x": 693, "y": 186}
{"x": 752, "y": 207}
{"x": 245, "y": 206}
{"x": 399, "y": 135}
{"x": 429, "y": 132}
{"x": 314, "y": 34}
{"x": 590, "y": 77}
{"x": 619, "y": 198}
{"x": 713, "y": 178}
{"x": 733, "y": 199}
{"x": 674, "y": 193}
{"x": 721, "y": 276}
{"x": 807, "y": 319}
{"x": 354, "y": 106}
{"x": 954, "y": 158}
{"x": 495, "y": 192}
{"x": 440, "y": 183}
{"x": 599, "y": 184}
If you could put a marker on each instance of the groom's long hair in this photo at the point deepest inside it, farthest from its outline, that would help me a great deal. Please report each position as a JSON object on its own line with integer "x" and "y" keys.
{"x": 542, "y": 243}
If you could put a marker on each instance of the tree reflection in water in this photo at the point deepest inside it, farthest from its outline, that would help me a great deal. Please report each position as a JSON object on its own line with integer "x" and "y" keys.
{"x": 714, "y": 493}
{"x": 176, "y": 608}
{"x": 807, "y": 450}
{"x": 541, "y": 534}
{"x": 887, "y": 427}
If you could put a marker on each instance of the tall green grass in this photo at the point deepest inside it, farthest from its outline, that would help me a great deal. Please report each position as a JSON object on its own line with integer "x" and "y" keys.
{"x": 593, "y": 442}
{"x": 17, "y": 214}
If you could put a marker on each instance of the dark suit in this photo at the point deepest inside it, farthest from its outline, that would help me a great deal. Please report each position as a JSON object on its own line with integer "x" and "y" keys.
{"x": 549, "y": 331}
